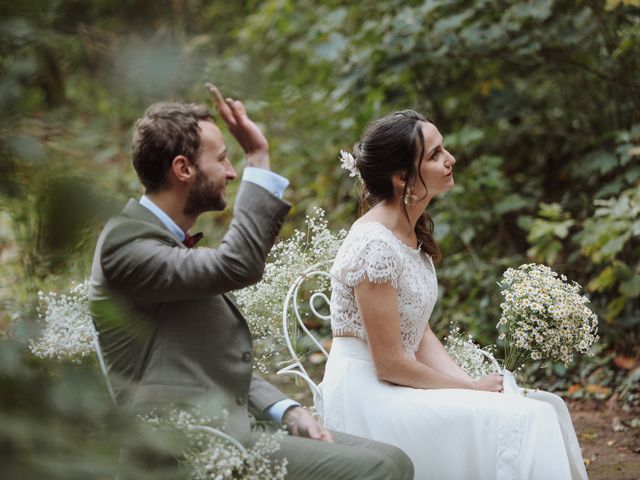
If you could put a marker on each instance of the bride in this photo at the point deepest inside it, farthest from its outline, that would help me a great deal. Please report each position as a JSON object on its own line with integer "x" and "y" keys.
{"x": 388, "y": 377}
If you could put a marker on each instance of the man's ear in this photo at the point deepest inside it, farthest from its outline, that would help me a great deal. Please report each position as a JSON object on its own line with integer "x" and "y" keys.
{"x": 182, "y": 169}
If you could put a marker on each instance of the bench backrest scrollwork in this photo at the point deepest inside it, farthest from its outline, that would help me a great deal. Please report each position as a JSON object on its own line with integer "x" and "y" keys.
{"x": 294, "y": 323}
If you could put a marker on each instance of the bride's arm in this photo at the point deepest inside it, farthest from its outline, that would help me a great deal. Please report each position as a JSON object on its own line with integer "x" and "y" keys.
{"x": 377, "y": 303}
{"x": 431, "y": 352}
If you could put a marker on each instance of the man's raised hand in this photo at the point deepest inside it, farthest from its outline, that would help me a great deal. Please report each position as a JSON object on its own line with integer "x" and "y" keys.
{"x": 245, "y": 131}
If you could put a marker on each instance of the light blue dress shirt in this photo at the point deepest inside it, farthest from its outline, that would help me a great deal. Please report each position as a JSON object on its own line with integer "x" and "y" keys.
{"x": 163, "y": 217}
{"x": 271, "y": 182}
{"x": 274, "y": 184}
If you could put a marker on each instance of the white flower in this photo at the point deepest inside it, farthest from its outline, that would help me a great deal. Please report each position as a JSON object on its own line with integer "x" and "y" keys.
{"x": 349, "y": 163}
{"x": 210, "y": 457}
{"x": 466, "y": 353}
{"x": 544, "y": 317}
{"x": 67, "y": 332}
{"x": 262, "y": 303}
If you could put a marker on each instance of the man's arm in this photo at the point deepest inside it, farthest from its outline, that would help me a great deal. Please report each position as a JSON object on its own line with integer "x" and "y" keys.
{"x": 271, "y": 182}
{"x": 139, "y": 262}
{"x": 263, "y": 396}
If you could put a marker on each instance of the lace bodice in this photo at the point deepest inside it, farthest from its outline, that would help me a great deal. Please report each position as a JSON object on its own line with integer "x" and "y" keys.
{"x": 371, "y": 249}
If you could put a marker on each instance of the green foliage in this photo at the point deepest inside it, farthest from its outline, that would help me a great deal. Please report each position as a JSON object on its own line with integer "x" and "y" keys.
{"x": 57, "y": 422}
{"x": 547, "y": 232}
{"x": 611, "y": 238}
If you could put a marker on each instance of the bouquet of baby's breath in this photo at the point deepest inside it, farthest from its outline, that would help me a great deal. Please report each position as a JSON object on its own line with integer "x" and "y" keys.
{"x": 262, "y": 303}
{"x": 211, "y": 456}
{"x": 468, "y": 354}
{"x": 67, "y": 330}
{"x": 544, "y": 317}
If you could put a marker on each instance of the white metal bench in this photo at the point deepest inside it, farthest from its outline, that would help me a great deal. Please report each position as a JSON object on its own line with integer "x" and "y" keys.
{"x": 293, "y": 321}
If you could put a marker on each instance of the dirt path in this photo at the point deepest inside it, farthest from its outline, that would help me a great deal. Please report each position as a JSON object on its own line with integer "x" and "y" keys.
{"x": 610, "y": 445}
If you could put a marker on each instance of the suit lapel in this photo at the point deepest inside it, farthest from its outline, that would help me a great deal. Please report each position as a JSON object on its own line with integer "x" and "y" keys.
{"x": 133, "y": 209}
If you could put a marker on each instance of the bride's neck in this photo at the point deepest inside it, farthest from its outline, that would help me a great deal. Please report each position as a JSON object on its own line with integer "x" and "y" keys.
{"x": 391, "y": 214}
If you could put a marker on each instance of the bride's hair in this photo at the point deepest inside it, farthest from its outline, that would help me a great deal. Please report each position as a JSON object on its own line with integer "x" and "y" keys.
{"x": 388, "y": 146}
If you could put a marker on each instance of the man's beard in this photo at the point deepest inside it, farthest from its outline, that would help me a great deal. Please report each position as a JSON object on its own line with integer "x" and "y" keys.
{"x": 203, "y": 197}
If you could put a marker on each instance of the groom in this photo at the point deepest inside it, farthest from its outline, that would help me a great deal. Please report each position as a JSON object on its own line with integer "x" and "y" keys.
{"x": 176, "y": 335}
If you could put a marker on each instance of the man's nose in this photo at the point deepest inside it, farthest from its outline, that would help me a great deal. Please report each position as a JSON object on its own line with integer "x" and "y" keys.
{"x": 231, "y": 172}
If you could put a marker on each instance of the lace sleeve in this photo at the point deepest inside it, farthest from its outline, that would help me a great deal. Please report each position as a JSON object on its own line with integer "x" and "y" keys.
{"x": 374, "y": 257}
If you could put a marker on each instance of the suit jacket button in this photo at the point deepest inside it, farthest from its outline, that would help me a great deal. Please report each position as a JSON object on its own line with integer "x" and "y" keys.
{"x": 241, "y": 399}
{"x": 246, "y": 357}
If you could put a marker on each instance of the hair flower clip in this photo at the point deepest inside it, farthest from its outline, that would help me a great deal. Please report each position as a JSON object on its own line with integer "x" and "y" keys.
{"x": 349, "y": 163}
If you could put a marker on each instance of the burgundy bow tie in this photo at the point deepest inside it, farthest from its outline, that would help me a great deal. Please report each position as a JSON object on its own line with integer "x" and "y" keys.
{"x": 190, "y": 241}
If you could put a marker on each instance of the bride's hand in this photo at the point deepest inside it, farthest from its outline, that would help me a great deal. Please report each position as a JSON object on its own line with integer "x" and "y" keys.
{"x": 488, "y": 383}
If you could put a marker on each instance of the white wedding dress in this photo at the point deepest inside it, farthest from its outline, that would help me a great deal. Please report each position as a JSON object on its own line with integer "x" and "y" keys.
{"x": 448, "y": 433}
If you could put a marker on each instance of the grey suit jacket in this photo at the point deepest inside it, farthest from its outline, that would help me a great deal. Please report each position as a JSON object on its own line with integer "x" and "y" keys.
{"x": 164, "y": 320}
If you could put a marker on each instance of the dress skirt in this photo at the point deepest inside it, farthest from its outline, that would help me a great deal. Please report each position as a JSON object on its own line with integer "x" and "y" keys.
{"x": 450, "y": 433}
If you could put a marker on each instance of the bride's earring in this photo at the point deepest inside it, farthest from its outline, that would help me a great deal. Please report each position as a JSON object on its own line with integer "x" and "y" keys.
{"x": 408, "y": 198}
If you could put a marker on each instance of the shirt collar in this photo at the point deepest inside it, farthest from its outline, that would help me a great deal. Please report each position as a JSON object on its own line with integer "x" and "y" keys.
{"x": 163, "y": 217}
